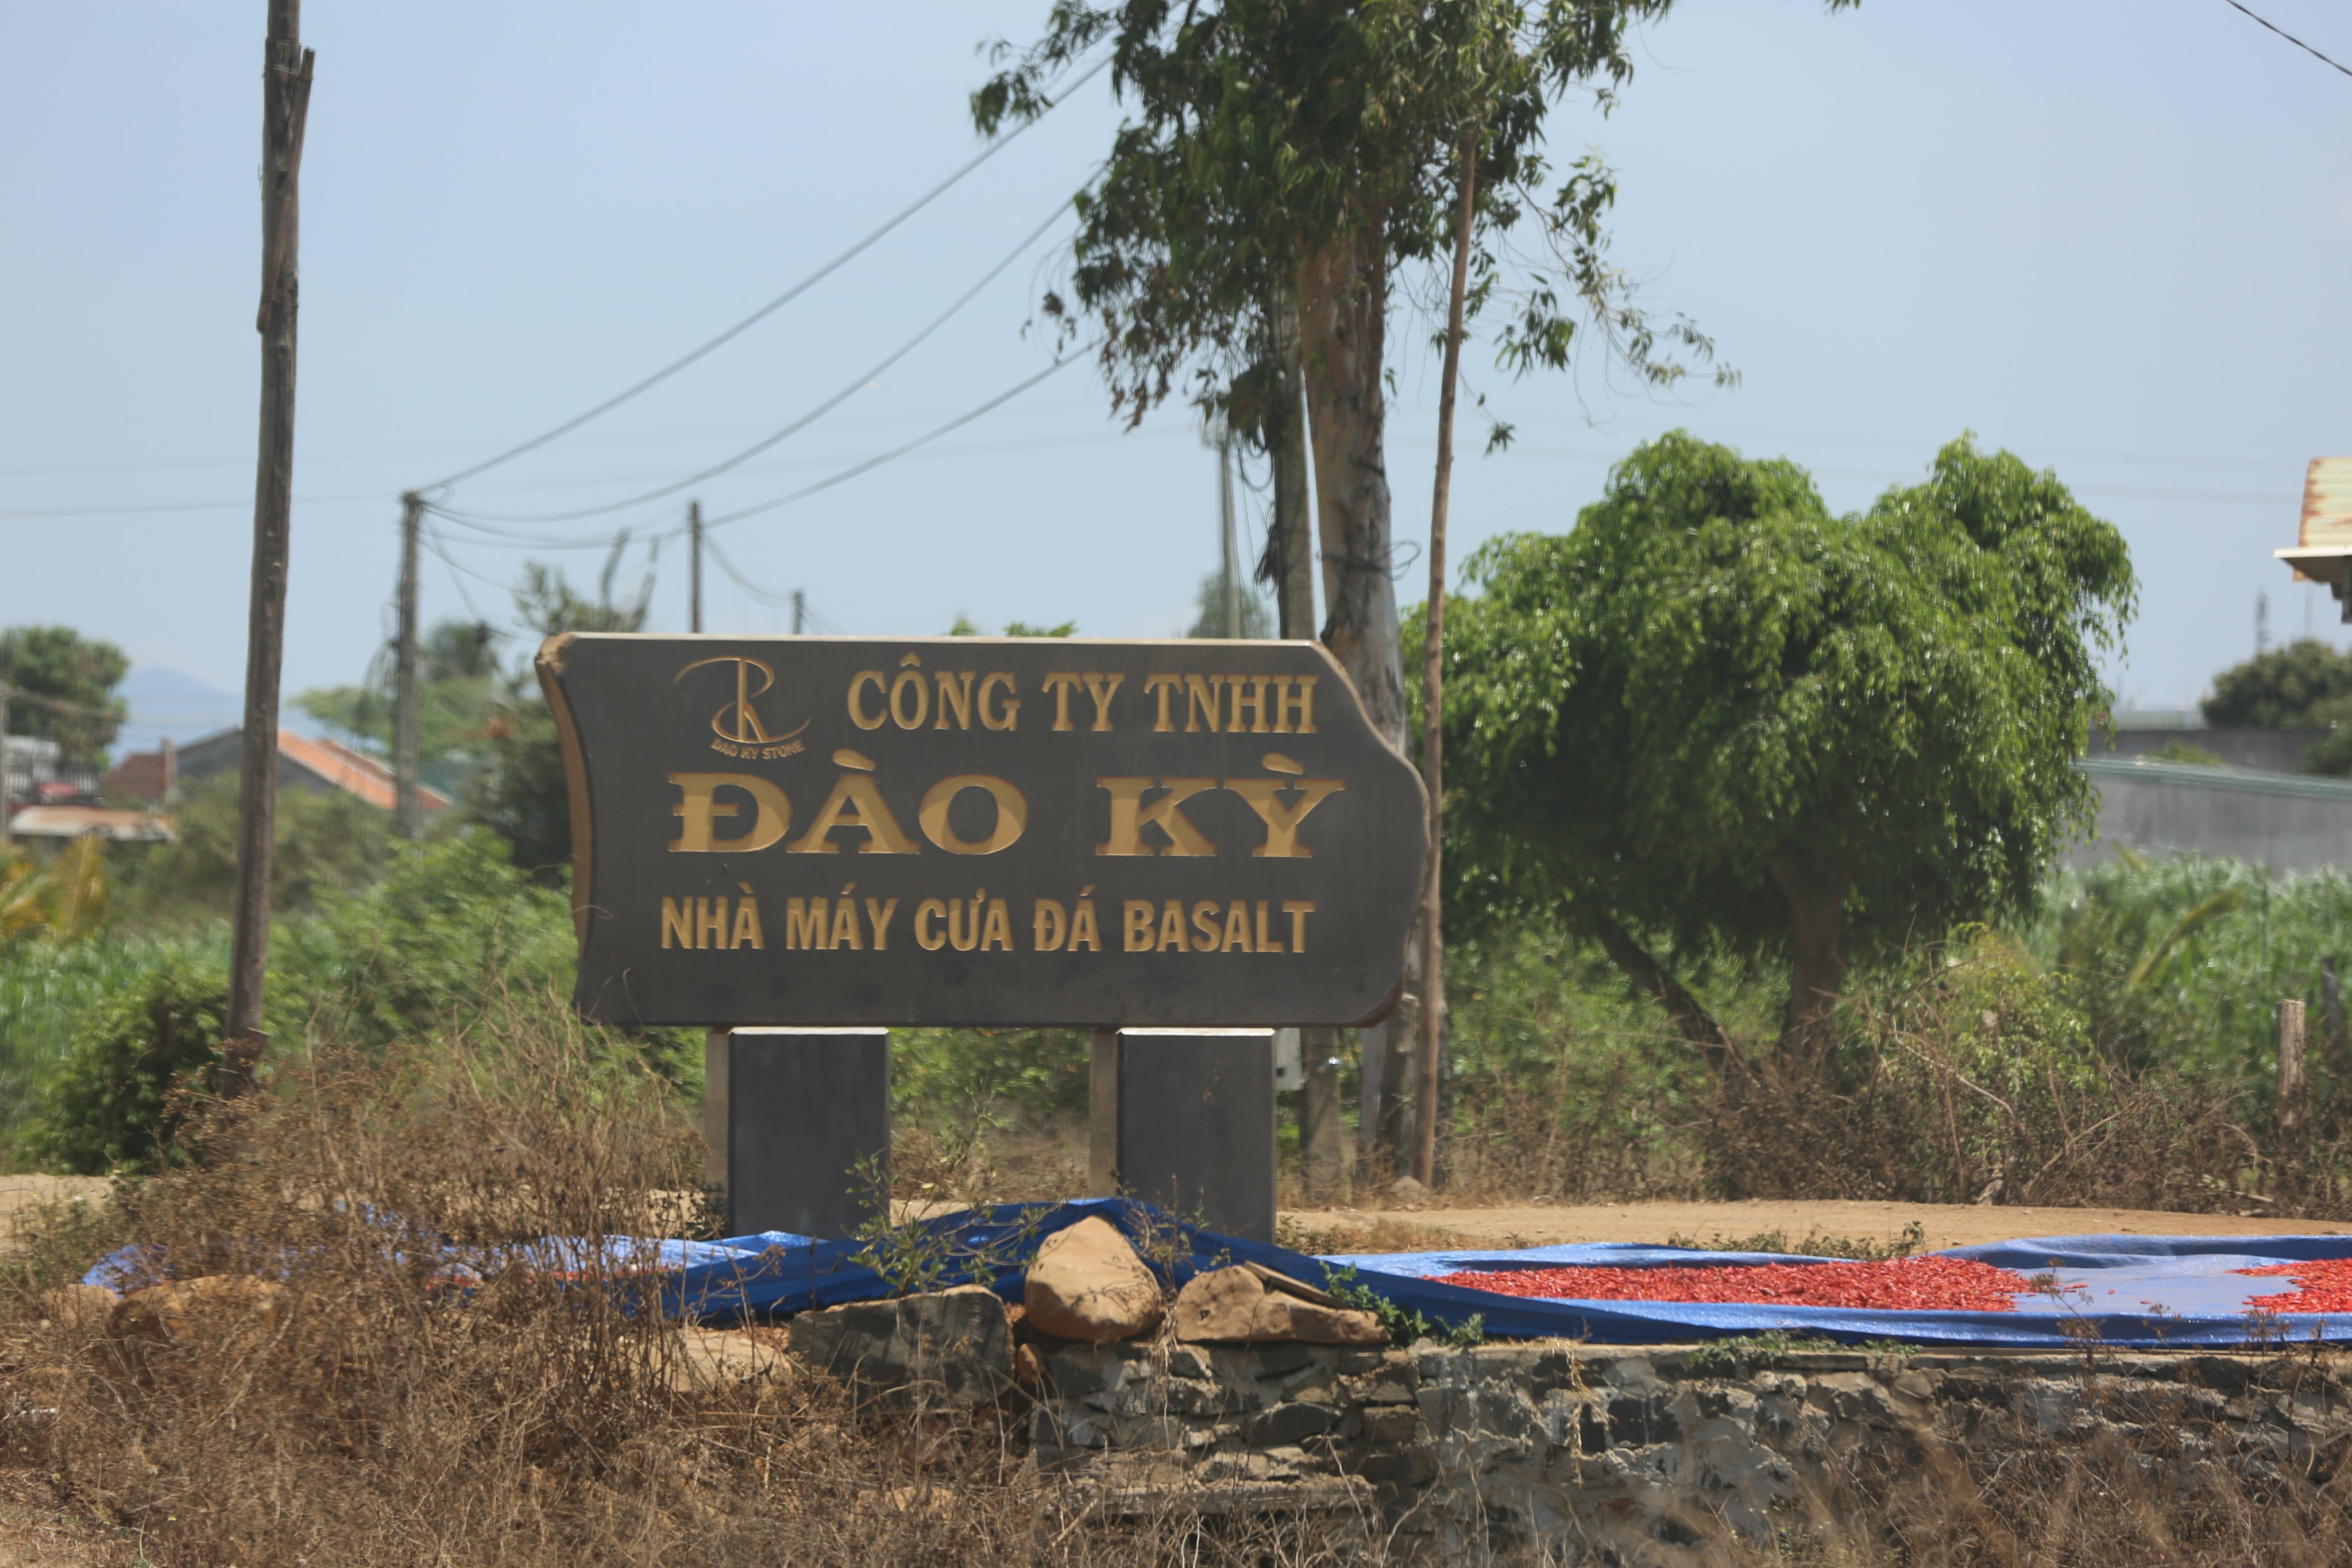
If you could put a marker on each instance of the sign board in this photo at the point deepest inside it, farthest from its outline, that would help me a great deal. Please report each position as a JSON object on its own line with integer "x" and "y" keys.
{"x": 1006, "y": 831}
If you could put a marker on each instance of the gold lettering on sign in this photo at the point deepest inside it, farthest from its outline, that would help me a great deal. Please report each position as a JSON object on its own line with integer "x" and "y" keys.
{"x": 1237, "y": 932}
{"x": 845, "y": 927}
{"x": 1102, "y": 689}
{"x": 1172, "y": 927}
{"x": 806, "y": 925}
{"x": 1165, "y": 686}
{"x": 697, "y": 812}
{"x": 854, "y": 803}
{"x": 909, "y": 681}
{"x": 677, "y": 919}
{"x": 1266, "y": 943}
{"x": 1282, "y": 816}
{"x": 858, "y": 683}
{"x": 1298, "y": 910}
{"x": 1061, "y": 683}
{"x": 1130, "y": 816}
{"x": 997, "y": 934}
{"x": 1202, "y": 692}
{"x": 962, "y": 936}
{"x": 1302, "y": 704}
{"x": 926, "y": 936}
{"x": 1011, "y": 815}
{"x": 1204, "y": 920}
{"x": 1083, "y": 933}
{"x": 955, "y": 695}
{"x": 1050, "y": 925}
{"x": 711, "y": 922}
{"x": 1254, "y": 702}
{"x": 737, "y": 720}
{"x": 1139, "y": 926}
{"x": 747, "y": 926}
{"x": 989, "y": 718}
{"x": 878, "y": 915}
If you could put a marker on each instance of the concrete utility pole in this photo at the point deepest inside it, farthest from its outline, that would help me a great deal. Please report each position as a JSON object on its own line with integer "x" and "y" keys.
{"x": 407, "y": 721}
{"x": 800, "y": 611}
{"x": 1225, "y": 519}
{"x": 694, "y": 563}
{"x": 285, "y": 109}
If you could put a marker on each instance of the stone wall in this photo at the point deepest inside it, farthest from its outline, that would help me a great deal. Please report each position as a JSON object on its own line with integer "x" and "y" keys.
{"x": 1594, "y": 1452}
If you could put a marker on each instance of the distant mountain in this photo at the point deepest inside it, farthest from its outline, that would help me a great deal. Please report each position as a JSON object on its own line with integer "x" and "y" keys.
{"x": 172, "y": 703}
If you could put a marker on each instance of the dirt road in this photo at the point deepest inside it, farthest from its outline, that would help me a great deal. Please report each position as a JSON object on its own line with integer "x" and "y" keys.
{"x": 1433, "y": 1228}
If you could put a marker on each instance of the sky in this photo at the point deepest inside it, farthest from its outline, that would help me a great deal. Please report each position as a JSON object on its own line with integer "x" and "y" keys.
{"x": 2112, "y": 235}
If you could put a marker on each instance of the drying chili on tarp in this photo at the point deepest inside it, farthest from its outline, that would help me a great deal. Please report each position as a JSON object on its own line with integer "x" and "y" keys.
{"x": 1904, "y": 1285}
{"x": 2323, "y": 1285}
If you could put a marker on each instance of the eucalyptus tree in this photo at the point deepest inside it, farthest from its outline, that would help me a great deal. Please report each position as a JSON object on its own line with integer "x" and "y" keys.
{"x": 1284, "y": 167}
{"x": 1714, "y": 716}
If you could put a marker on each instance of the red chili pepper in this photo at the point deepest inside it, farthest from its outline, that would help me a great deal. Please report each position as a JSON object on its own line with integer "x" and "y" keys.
{"x": 2324, "y": 1285}
{"x": 1908, "y": 1284}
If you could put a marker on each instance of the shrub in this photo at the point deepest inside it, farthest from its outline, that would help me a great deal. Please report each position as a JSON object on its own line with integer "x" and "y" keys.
{"x": 119, "y": 1097}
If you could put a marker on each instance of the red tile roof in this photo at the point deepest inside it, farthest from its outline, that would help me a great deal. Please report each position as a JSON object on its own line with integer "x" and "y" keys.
{"x": 350, "y": 769}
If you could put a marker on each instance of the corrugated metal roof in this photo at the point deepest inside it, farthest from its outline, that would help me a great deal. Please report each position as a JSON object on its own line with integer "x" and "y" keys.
{"x": 2327, "y": 503}
{"x": 83, "y": 821}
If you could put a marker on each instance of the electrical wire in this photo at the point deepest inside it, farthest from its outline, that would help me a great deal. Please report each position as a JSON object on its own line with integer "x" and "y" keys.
{"x": 778, "y": 302}
{"x": 2290, "y": 37}
{"x": 958, "y": 422}
{"x": 856, "y": 384}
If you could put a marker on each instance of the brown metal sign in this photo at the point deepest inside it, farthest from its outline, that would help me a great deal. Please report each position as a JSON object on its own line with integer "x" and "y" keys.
{"x": 980, "y": 830}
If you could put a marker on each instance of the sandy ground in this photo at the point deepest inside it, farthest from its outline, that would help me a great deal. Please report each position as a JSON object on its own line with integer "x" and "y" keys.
{"x": 18, "y": 1194}
{"x": 1431, "y": 1228}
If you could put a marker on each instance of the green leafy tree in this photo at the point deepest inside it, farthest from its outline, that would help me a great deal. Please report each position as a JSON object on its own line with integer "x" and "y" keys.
{"x": 1257, "y": 617}
{"x": 1282, "y": 164}
{"x": 64, "y": 689}
{"x": 2305, "y": 683}
{"x": 522, "y": 794}
{"x": 458, "y": 685}
{"x": 1715, "y": 717}
{"x": 964, "y": 628}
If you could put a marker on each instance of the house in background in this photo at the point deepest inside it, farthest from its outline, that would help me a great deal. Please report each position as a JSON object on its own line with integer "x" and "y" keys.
{"x": 321, "y": 766}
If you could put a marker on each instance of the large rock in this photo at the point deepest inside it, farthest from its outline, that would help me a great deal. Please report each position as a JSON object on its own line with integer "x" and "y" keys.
{"x": 1257, "y": 1306}
{"x": 956, "y": 1344}
{"x": 179, "y": 1309}
{"x": 713, "y": 1359}
{"x": 1087, "y": 1284}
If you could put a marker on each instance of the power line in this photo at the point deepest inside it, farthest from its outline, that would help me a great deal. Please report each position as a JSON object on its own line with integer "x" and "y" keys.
{"x": 778, "y": 302}
{"x": 868, "y": 465}
{"x": 856, "y": 384}
{"x": 2290, "y": 37}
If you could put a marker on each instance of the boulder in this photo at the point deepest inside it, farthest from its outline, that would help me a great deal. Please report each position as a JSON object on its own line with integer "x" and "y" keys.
{"x": 79, "y": 1306}
{"x": 1087, "y": 1283}
{"x": 953, "y": 1344}
{"x": 1406, "y": 1190}
{"x": 1250, "y": 1305}
{"x": 711, "y": 1358}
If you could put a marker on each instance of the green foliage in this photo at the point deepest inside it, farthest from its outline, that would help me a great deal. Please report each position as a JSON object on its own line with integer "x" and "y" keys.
{"x": 964, "y": 628}
{"x": 323, "y": 842}
{"x": 2186, "y": 755}
{"x": 1714, "y": 702}
{"x": 62, "y": 900}
{"x": 1257, "y": 616}
{"x": 2304, "y": 684}
{"x": 521, "y": 794}
{"x": 1041, "y": 1070}
{"x": 1737, "y": 1355}
{"x": 46, "y": 990}
{"x": 456, "y": 684}
{"x": 1261, "y": 132}
{"x": 113, "y": 1100}
{"x": 1913, "y": 1239}
{"x": 1404, "y": 1325}
{"x": 64, "y": 689}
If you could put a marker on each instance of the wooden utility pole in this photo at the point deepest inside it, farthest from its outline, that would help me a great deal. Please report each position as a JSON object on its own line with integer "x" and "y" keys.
{"x": 2288, "y": 1110}
{"x": 3, "y": 761}
{"x": 407, "y": 721}
{"x": 1433, "y": 701}
{"x": 694, "y": 563}
{"x": 285, "y": 108}
{"x": 800, "y": 611}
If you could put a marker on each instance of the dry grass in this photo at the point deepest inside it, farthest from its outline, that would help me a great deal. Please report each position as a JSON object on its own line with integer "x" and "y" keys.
{"x": 367, "y": 1413}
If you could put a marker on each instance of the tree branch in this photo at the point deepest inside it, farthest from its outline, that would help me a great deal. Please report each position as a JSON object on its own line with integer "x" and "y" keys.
{"x": 1690, "y": 1016}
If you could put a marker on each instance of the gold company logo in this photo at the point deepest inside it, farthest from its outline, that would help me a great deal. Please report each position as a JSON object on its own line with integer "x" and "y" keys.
{"x": 737, "y": 724}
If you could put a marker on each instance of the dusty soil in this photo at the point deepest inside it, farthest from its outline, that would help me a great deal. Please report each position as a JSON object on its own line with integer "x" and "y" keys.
{"x": 18, "y": 1194}
{"x": 34, "y": 1534}
{"x": 1433, "y": 1228}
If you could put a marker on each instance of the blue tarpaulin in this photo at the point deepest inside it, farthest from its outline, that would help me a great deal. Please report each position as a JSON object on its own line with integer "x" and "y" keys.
{"x": 2127, "y": 1291}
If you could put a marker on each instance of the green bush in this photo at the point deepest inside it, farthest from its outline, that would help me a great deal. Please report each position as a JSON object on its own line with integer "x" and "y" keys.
{"x": 110, "y": 1102}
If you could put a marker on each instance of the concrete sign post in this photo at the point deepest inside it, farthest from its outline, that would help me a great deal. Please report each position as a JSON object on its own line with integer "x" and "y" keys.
{"x": 979, "y": 831}
{"x": 804, "y": 1110}
{"x": 1184, "y": 1118}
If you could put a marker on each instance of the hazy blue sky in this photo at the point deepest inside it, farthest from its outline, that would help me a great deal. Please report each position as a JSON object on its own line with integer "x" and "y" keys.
{"x": 2114, "y": 236}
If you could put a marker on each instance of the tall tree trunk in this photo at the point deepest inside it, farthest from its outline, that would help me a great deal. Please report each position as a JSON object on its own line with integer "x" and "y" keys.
{"x": 1289, "y": 566}
{"x": 1816, "y": 889}
{"x": 1689, "y": 1016}
{"x": 1342, "y": 320}
{"x": 1342, "y": 329}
